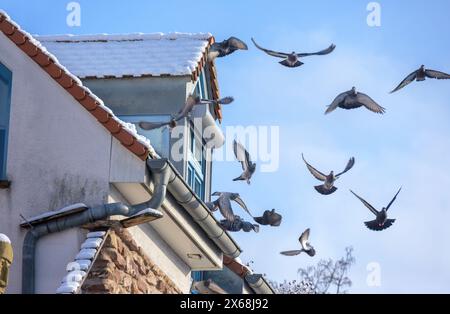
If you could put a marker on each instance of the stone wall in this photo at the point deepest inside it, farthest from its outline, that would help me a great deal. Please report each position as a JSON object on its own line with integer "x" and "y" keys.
{"x": 122, "y": 267}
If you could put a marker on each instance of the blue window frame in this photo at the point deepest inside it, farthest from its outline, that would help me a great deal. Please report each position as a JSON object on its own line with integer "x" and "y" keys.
{"x": 196, "y": 165}
{"x": 5, "y": 103}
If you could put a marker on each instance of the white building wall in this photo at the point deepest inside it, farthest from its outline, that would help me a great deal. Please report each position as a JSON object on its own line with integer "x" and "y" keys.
{"x": 58, "y": 154}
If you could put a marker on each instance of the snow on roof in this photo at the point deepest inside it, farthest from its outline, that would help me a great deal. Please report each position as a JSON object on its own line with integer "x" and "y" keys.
{"x": 135, "y": 55}
{"x": 78, "y": 269}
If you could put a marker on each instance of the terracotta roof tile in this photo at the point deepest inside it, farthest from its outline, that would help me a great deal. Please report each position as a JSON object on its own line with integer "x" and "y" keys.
{"x": 235, "y": 266}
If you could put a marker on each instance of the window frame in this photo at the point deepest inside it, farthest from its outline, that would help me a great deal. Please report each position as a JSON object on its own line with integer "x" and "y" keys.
{"x": 6, "y": 77}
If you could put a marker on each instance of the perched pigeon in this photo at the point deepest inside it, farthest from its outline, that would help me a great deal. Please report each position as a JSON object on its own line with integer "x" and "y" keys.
{"x": 226, "y": 47}
{"x": 238, "y": 224}
{"x": 420, "y": 75}
{"x": 269, "y": 218}
{"x": 353, "y": 99}
{"x": 306, "y": 247}
{"x": 223, "y": 203}
{"x": 291, "y": 60}
{"x": 243, "y": 157}
{"x": 381, "y": 222}
{"x": 328, "y": 187}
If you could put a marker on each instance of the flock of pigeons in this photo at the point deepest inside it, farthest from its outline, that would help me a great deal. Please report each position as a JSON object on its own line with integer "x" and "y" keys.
{"x": 347, "y": 100}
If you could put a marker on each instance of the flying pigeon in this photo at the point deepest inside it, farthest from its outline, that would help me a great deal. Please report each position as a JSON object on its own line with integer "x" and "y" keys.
{"x": 353, "y": 99}
{"x": 306, "y": 247}
{"x": 381, "y": 222}
{"x": 420, "y": 75}
{"x": 248, "y": 167}
{"x": 145, "y": 125}
{"x": 192, "y": 101}
{"x": 226, "y": 47}
{"x": 223, "y": 203}
{"x": 328, "y": 187}
{"x": 291, "y": 60}
{"x": 238, "y": 224}
{"x": 269, "y": 217}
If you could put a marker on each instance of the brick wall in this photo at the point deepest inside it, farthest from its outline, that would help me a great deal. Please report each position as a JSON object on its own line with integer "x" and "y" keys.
{"x": 122, "y": 267}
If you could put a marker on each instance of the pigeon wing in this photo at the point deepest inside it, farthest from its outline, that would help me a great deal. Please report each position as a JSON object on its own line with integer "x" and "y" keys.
{"x": 226, "y": 211}
{"x": 241, "y": 154}
{"x": 316, "y": 173}
{"x": 336, "y": 102}
{"x": 410, "y": 78}
{"x": 225, "y": 100}
{"x": 437, "y": 75}
{"x": 188, "y": 105}
{"x": 291, "y": 253}
{"x": 319, "y": 53}
{"x": 271, "y": 52}
{"x": 152, "y": 125}
{"x": 370, "y": 207}
{"x": 242, "y": 204}
{"x": 237, "y": 43}
{"x": 369, "y": 103}
{"x": 393, "y": 200}
{"x": 349, "y": 166}
{"x": 304, "y": 239}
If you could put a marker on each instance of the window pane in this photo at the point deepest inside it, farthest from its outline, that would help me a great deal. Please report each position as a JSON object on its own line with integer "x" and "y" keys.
{"x": 190, "y": 179}
{"x": 5, "y": 95}
{"x": 198, "y": 152}
{"x": 198, "y": 188}
{"x": 159, "y": 138}
{"x": 2, "y": 151}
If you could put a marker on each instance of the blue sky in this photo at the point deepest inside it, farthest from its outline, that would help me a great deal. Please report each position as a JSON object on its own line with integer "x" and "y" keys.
{"x": 409, "y": 146}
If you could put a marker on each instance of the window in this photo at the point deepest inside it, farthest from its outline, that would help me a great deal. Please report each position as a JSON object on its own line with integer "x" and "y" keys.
{"x": 196, "y": 276}
{"x": 200, "y": 87}
{"x": 196, "y": 165}
{"x": 159, "y": 138}
{"x": 5, "y": 100}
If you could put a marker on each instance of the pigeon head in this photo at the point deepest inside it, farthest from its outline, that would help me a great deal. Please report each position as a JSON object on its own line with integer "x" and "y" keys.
{"x": 172, "y": 123}
{"x": 311, "y": 252}
{"x": 353, "y": 90}
{"x": 422, "y": 67}
{"x": 216, "y": 194}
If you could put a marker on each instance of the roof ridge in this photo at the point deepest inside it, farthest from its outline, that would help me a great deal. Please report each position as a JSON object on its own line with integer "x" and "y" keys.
{"x": 123, "y": 37}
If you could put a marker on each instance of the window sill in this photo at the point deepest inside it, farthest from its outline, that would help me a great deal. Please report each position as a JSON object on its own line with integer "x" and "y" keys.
{"x": 5, "y": 184}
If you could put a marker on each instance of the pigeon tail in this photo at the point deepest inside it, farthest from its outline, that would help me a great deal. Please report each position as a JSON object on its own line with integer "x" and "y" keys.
{"x": 290, "y": 65}
{"x": 375, "y": 225}
{"x": 325, "y": 191}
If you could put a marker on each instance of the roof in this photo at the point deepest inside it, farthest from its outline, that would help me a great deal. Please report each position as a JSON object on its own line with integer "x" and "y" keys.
{"x": 135, "y": 55}
{"x": 122, "y": 131}
{"x": 236, "y": 267}
{"x": 257, "y": 282}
